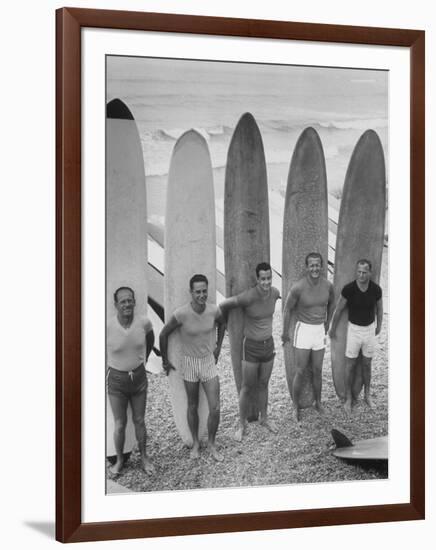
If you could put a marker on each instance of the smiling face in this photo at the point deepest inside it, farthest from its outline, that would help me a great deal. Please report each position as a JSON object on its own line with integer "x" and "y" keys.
{"x": 264, "y": 280}
{"x": 199, "y": 293}
{"x": 314, "y": 267}
{"x": 125, "y": 303}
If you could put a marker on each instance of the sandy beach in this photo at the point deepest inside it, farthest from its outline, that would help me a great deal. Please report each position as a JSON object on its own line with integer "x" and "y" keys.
{"x": 299, "y": 453}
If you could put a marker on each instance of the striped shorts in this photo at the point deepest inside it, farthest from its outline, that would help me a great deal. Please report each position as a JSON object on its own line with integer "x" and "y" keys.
{"x": 199, "y": 369}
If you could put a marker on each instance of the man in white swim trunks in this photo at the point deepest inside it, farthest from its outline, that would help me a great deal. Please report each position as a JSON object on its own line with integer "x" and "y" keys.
{"x": 201, "y": 329}
{"x": 258, "y": 304}
{"x": 363, "y": 298}
{"x": 312, "y": 297}
{"x": 130, "y": 339}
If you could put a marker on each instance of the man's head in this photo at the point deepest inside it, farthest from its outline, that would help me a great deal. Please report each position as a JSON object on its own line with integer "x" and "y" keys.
{"x": 198, "y": 285}
{"x": 124, "y": 300}
{"x": 314, "y": 264}
{"x": 363, "y": 270}
{"x": 264, "y": 275}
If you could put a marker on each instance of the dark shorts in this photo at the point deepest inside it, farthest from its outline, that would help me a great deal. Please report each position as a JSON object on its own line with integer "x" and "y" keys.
{"x": 125, "y": 383}
{"x": 258, "y": 351}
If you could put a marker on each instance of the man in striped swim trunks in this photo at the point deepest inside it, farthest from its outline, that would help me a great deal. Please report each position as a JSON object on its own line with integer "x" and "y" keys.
{"x": 363, "y": 298}
{"x": 258, "y": 304}
{"x": 201, "y": 329}
{"x": 313, "y": 298}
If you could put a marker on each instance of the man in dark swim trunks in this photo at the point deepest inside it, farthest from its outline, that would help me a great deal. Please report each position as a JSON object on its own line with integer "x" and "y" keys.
{"x": 258, "y": 304}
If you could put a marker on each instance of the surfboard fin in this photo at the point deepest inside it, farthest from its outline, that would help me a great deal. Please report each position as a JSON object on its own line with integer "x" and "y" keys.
{"x": 340, "y": 439}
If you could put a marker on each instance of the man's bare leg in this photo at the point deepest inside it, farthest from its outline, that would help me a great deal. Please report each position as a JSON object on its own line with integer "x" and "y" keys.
{"x": 249, "y": 383}
{"x": 138, "y": 403}
{"x": 317, "y": 360}
{"x": 192, "y": 392}
{"x": 302, "y": 359}
{"x": 265, "y": 370}
{"x": 212, "y": 391}
{"x": 348, "y": 379}
{"x": 119, "y": 410}
{"x": 366, "y": 375}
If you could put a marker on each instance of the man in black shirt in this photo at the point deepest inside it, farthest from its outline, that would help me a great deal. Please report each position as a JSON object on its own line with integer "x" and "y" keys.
{"x": 363, "y": 298}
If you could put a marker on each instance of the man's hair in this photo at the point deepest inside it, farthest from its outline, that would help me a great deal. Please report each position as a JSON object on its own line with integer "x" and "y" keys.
{"x": 120, "y": 289}
{"x": 364, "y": 261}
{"x": 263, "y": 266}
{"x": 197, "y": 278}
{"x": 313, "y": 255}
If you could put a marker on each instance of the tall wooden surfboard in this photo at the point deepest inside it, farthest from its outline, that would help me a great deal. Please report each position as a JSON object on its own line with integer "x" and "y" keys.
{"x": 126, "y": 227}
{"x": 189, "y": 248}
{"x": 360, "y": 234}
{"x": 246, "y": 227}
{"x": 305, "y": 229}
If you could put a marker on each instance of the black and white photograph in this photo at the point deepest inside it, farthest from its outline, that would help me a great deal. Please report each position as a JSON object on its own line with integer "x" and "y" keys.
{"x": 247, "y": 259}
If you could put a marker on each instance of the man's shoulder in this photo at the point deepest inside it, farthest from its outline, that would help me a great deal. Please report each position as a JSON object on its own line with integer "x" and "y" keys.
{"x": 182, "y": 311}
{"x": 247, "y": 297}
{"x": 376, "y": 287}
{"x": 349, "y": 287}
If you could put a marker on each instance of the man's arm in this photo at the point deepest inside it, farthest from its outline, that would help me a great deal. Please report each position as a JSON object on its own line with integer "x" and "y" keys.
{"x": 379, "y": 315}
{"x": 330, "y": 307}
{"x": 342, "y": 302}
{"x": 290, "y": 303}
{"x": 149, "y": 343}
{"x": 228, "y": 305}
{"x": 220, "y": 328}
{"x": 170, "y": 327}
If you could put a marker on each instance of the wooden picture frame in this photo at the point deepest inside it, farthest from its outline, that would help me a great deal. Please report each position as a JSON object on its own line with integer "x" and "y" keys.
{"x": 69, "y": 525}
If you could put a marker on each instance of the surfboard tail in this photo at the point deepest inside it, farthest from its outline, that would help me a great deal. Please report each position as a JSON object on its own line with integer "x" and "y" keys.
{"x": 340, "y": 439}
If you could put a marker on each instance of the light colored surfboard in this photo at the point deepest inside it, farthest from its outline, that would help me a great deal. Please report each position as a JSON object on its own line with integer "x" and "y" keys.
{"x": 376, "y": 448}
{"x": 305, "y": 229}
{"x": 360, "y": 234}
{"x": 189, "y": 248}
{"x": 246, "y": 227}
{"x": 126, "y": 227}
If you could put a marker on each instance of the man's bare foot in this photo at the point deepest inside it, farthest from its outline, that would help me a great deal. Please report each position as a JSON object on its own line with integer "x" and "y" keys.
{"x": 148, "y": 466}
{"x": 269, "y": 425}
{"x": 195, "y": 451}
{"x": 348, "y": 407}
{"x": 319, "y": 408}
{"x": 369, "y": 402}
{"x": 239, "y": 434}
{"x": 297, "y": 413}
{"x": 214, "y": 452}
{"x": 117, "y": 467}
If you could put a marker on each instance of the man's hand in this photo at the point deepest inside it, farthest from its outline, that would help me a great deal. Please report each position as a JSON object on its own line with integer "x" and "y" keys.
{"x": 377, "y": 331}
{"x": 216, "y": 354}
{"x": 332, "y": 333}
{"x": 167, "y": 367}
{"x": 285, "y": 339}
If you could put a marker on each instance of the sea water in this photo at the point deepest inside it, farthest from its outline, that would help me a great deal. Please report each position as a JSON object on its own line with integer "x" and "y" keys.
{"x": 168, "y": 97}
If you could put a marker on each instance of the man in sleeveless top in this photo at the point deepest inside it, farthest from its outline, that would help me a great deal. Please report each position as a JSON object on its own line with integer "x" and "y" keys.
{"x": 258, "y": 304}
{"x": 363, "y": 299}
{"x": 130, "y": 340}
{"x": 201, "y": 330}
{"x": 312, "y": 298}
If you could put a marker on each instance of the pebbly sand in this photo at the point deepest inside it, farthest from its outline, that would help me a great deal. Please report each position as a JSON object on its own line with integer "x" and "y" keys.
{"x": 299, "y": 453}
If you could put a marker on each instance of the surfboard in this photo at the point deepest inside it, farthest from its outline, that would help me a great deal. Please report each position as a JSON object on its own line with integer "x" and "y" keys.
{"x": 376, "y": 448}
{"x": 189, "y": 248}
{"x": 126, "y": 228}
{"x": 246, "y": 228}
{"x": 305, "y": 229}
{"x": 360, "y": 234}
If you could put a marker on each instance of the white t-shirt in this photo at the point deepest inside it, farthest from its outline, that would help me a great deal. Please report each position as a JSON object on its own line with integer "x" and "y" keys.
{"x": 126, "y": 346}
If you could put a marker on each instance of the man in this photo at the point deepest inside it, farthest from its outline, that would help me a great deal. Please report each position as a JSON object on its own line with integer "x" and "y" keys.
{"x": 201, "y": 330}
{"x": 130, "y": 339}
{"x": 258, "y": 304}
{"x": 312, "y": 298}
{"x": 363, "y": 298}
